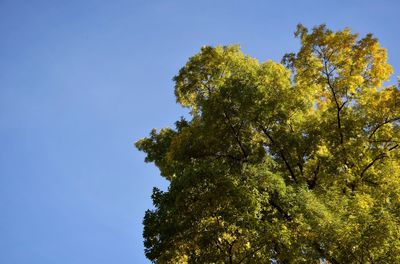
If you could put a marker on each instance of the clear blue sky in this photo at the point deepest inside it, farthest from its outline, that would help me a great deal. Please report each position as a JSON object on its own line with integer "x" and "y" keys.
{"x": 82, "y": 80}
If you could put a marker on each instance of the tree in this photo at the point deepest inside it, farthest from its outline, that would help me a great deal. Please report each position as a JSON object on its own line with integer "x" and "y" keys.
{"x": 292, "y": 162}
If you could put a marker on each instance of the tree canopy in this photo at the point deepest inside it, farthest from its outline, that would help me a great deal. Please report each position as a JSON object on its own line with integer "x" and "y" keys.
{"x": 291, "y": 162}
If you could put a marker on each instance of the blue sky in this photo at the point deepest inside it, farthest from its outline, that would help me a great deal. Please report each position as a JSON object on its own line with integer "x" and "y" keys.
{"x": 81, "y": 81}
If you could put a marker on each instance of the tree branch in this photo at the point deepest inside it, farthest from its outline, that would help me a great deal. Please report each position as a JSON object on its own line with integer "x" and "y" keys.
{"x": 387, "y": 121}
{"x": 281, "y": 154}
{"x": 339, "y": 106}
{"x": 236, "y": 135}
{"x": 311, "y": 183}
{"x": 379, "y": 157}
{"x": 251, "y": 253}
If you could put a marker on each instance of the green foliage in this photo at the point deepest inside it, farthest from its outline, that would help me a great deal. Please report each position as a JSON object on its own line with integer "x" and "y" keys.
{"x": 280, "y": 163}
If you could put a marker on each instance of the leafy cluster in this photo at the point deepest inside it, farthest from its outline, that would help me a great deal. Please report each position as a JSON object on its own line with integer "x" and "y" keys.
{"x": 292, "y": 162}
